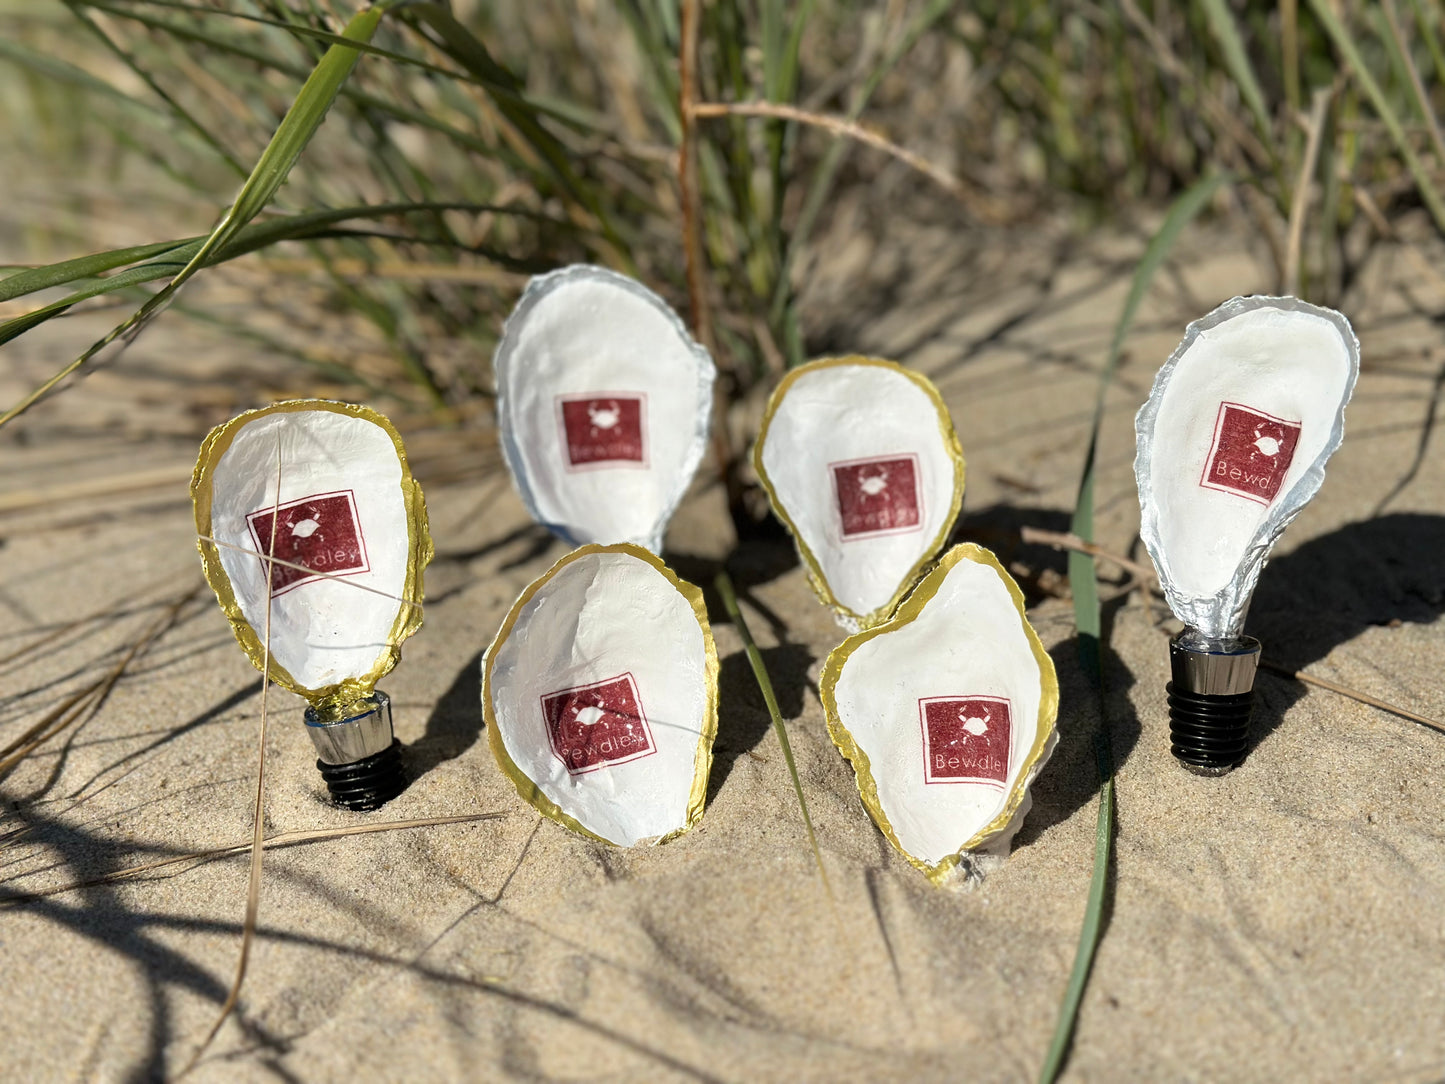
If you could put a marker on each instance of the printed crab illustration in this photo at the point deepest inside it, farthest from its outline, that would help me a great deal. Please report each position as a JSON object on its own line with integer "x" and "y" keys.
{"x": 973, "y": 725}
{"x": 604, "y": 417}
{"x": 1268, "y": 440}
{"x": 874, "y": 484}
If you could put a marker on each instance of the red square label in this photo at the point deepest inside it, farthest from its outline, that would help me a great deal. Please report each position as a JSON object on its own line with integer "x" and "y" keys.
{"x": 1251, "y": 454}
{"x": 599, "y": 430}
{"x": 592, "y": 726}
{"x": 320, "y": 533}
{"x": 878, "y": 496}
{"x": 965, "y": 739}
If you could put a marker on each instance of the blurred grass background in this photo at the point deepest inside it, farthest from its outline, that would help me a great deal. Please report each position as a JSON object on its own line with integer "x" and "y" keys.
{"x": 474, "y": 144}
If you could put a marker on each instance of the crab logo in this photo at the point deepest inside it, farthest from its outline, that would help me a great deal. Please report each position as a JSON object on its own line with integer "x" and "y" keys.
{"x": 596, "y": 725}
{"x": 874, "y": 484}
{"x": 603, "y": 430}
{"x": 966, "y": 739}
{"x": 604, "y": 417}
{"x": 973, "y": 725}
{"x": 317, "y": 536}
{"x": 1251, "y": 453}
{"x": 1267, "y": 445}
{"x": 878, "y": 496}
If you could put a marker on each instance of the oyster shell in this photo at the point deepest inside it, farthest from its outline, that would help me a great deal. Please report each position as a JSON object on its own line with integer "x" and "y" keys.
{"x": 946, "y": 711}
{"x": 604, "y": 403}
{"x": 348, "y": 521}
{"x": 600, "y": 695}
{"x": 861, "y": 463}
{"x": 1232, "y": 443}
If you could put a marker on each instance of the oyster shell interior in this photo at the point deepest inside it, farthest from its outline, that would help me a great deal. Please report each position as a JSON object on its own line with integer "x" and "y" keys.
{"x": 604, "y": 403}
{"x": 860, "y": 461}
{"x": 947, "y": 712}
{"x": 347, "y": 515}
{"x": 1233, "y": 442}
{"x": 600, "y": 695}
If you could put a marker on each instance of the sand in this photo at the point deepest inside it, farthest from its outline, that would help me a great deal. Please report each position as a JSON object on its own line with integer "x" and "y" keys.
{"x": 1284, "y": 922}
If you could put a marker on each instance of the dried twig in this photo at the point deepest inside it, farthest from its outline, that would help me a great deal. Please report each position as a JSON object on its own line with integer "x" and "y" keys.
{"x": 1063, "y": 541}
{"x": 1300, "y": 204}
{"x": 1353, "y": 694}
{"x": 687, "y": 177}
{"x": 253, "y": 888}
{"x": 22, "y": 500}
{"x": 841, "y": 126}
{"x": 341, "y": 577}
{"x": 87, "y": 701}
{"x": 282, "y": 839}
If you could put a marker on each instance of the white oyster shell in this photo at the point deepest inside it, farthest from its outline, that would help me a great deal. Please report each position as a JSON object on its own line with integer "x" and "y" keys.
{"x": 604, "y": 403}
{"x": 600, "y": 695}
{"x": 347, "y": 512}
{"x": 860, "y": 461}
{"x": 1232, "y": 443}
{"x": 947, "y": 713}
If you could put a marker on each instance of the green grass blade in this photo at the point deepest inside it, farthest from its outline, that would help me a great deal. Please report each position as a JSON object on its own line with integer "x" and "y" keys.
{"x": 298, "y": 29}
{"x": 462, "y": 46}
{"x": 1347, "y": 49}
{"x": 122, "y": 280}
{"x": 1088, "y": 936}
{"x": 1181, "y": 213}
{"x": 200, "y": 130}
{"x": 724, "y": 586}
{"x": 1426, "y": 22}
{"x": 1236, "y": 60}
{"x": 54, "y": 68}
{"x": 255, "y": 236}
{"x": 295, "y": 131}
{"x": 822, "y": 182}
{"x": 1088, "y": 620}
{"x": 32, "y": 279}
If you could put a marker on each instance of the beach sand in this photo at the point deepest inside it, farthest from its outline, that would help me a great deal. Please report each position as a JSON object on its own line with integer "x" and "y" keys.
{"x": 1285, "y": 922}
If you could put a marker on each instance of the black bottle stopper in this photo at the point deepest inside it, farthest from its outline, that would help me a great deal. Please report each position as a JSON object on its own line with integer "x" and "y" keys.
{"x": 359, "y": 757}
{"x": 1210, "y": 698}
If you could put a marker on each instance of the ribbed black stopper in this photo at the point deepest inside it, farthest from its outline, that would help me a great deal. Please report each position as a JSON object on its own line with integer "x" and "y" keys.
{"x": 1209, "y": 734}
{"x": 368, "y": 783}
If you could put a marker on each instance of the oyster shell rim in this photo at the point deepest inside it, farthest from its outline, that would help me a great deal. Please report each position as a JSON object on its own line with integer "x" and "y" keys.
{"x": 816, "y": 577}
{"x": 537, "y": 289}
{"x": 420, "y": 551}
{"x": 527, "y": 789}
{"x": 1033, "y": 761}
{"x": 1208, "y": 612}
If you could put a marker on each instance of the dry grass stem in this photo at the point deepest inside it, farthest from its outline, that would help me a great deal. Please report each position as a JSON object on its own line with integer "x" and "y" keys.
{"x": 978, "y": 205}
{"x": 258, "y": 825}
{"x": 22, "y": 500}
{"x": 1063, "y": 541}
{"x": 1422, "y": 97}
{"x": 340, "y": 577}
{"x": 1299, "y": 206}
{"x": 1353, "y": 694}
{"x": 482, "y": 275}
{"x": 688, "y": 192}
{"x": 84, "y": 703}
{"x": 281, "y": 839}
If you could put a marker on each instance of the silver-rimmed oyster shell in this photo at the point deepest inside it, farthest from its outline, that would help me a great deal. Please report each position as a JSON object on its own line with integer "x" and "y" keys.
{"x": 604, "y": 403}
{"x": 1233, "y": 442}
